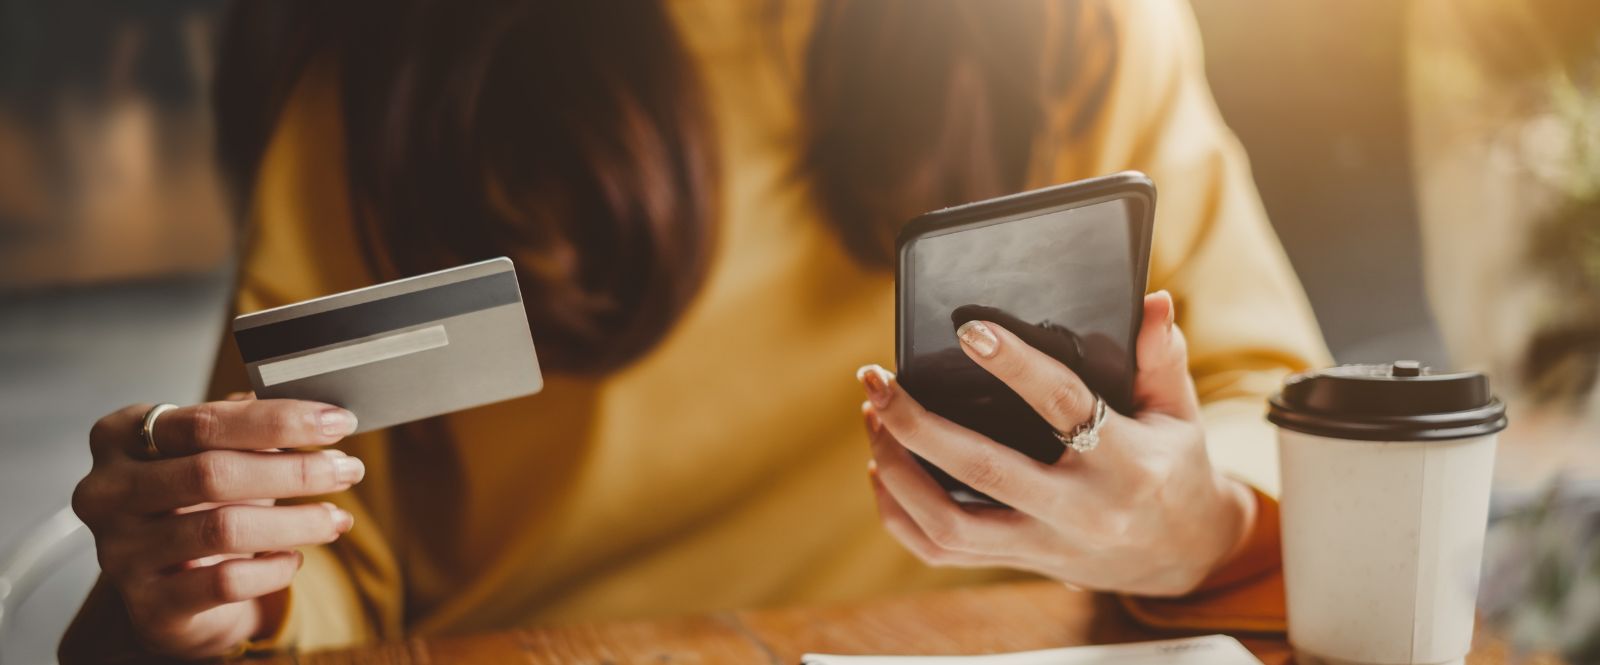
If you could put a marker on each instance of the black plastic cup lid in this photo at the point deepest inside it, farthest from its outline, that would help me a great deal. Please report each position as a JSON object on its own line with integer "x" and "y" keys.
{"x": 1401, "y": 401}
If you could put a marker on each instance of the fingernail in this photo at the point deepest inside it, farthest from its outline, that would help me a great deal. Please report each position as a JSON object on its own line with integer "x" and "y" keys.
{"x": 342, "y": 519}
{"x": 348, "y": 470}
{"x": 336, "y": 422}
{"x": 872, "y": 466}
{"x": 979, "y": 338}
{"x": 876, "y": 380}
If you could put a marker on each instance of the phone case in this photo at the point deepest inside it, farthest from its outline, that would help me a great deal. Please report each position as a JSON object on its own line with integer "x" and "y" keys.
{"x": 949, "y": 383}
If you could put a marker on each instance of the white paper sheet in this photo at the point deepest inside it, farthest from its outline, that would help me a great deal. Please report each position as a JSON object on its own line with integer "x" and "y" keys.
{"x": 1207, "y": 650}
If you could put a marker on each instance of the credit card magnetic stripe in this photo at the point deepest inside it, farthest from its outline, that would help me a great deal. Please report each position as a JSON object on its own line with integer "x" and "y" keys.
{"x": 346, "y": 356}
{"x": 376, "y": 317}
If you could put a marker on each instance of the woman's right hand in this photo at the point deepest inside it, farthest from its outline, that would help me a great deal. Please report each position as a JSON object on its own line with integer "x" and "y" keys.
{"x": 192, "y": 540}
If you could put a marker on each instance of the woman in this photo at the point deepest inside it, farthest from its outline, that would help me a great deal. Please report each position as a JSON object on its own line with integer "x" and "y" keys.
{"x": 699, "y": 196}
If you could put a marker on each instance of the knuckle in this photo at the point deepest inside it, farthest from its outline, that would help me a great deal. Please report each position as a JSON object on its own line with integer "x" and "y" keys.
{"x": 113, "y": 431}
{"x": 1065, "y": 402}
{"x": 206, "y": 425}
{"x": 904, "y": 531}
{"x": 307, "y": 475}
{"x": 88, "y": 498}
{"x": 983, "y": 473}
{"x": 947, "y": 532}
{"x": 285, "y": 423}
{"x": 1111, "y": 527}
{"x": 902, "y": 423}
{"x": 228, "y": 584}
{"x": 314, "y": 471}
{"x": 924, "y": 551}
{"x": 890, "y": 523}
{"x": 103, "y": 432}
{"x": 210, "y": 475}
{"x": 1160, "y": 472}
{"x": 935, "y": 556}
{"x": 910, "y": 429}
{"x": 219, "y": 530}
{"x": 1007, "y": 362}
{"x": 1148, "y": 480}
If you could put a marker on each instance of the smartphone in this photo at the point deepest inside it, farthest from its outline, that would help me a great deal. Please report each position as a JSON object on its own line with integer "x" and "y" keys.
{"x": 1065, "y": 268}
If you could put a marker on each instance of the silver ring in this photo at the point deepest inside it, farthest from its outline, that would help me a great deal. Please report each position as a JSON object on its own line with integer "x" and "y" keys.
{"x": 1086, "y": 436}
{"x": 147, "y": 430}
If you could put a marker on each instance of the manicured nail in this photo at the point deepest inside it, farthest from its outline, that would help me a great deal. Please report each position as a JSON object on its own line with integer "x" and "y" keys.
{"x": 348, "y": 470}
{"x": 872, "y": 467}
{"x": 336, "y": 422}
{"x": 1172, "y": 310}
{"x": 979, "y": 338}
{"x": 342, "y": 519}
{"x": 876, "y": 379}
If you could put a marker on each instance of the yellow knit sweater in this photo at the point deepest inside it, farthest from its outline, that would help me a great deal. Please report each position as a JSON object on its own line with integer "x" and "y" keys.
{"x": 725, "y": 469}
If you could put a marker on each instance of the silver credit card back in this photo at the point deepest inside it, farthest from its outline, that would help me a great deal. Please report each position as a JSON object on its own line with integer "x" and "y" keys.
{"x": 400, "y": 351}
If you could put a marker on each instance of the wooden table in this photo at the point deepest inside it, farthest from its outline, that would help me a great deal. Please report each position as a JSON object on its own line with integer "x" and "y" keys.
{"x": 1006, "y": 617}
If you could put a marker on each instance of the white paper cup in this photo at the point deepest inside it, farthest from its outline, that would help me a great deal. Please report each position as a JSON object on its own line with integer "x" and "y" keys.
{"x": 1384, "y": 506}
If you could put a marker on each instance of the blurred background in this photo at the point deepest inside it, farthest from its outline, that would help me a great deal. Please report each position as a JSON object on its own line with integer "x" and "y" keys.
{"x": 1431, "y": 166}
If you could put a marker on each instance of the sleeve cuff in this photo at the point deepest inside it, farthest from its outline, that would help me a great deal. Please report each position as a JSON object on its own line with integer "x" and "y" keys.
{"x": 1245, "y": 594}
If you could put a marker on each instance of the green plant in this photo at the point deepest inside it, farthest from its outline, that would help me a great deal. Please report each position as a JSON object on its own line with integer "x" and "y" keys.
{"x": 1562, "y": 362}
{"x": 1541, "y": 582}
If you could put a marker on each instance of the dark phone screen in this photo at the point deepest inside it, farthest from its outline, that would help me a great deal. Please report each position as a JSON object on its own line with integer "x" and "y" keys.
{"x": 1063, "y": 281}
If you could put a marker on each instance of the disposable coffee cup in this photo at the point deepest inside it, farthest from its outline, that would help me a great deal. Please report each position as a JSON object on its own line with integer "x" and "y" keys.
{"x": 1386, "y": 472}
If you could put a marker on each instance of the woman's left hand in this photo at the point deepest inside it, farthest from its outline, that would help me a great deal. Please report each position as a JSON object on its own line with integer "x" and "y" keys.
{"x": 1144, "y": 513}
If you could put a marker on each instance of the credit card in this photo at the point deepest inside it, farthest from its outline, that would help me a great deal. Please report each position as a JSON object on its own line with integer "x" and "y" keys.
{"x": 400, "y": 351}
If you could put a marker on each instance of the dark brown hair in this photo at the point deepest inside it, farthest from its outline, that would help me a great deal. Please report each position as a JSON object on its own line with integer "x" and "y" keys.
{"x": 572, "y": 135}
